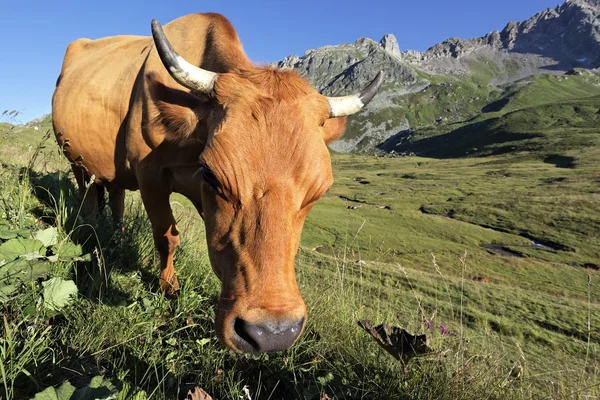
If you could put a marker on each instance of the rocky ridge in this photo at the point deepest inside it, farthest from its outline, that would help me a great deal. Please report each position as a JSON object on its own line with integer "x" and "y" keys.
{"x": 38, "y": 122}
{"x": 347, "y": 68}
{"x": 554, "y": 41}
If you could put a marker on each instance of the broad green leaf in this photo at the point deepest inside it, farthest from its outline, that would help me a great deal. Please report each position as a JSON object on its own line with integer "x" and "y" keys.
{"x": 85, "y": 257}
{"x": 64, "y": 392}
{"x": 98, "y": 389}
{"x": 24, "y": 233}
{"x": 172, "y": 341}
{"x": 48, "y": 236}
{"x": 15, "y": 248}
{"x": 20, "y": 270}
{"x": 69, "y": 251}
{"x": 58, "y": 293}
{"x": 6, "y": 234}
{"x": 147, "y": 305}
{"x": 324, "y": 380}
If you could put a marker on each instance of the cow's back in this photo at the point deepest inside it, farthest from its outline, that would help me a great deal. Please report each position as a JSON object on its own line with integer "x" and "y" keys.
{"x": 91, "y": 101}
{"x": 100, "y": 101}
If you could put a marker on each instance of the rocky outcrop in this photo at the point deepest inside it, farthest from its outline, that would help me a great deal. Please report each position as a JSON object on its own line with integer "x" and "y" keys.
{"x": 554, "y": 40}
{"x": 348, "y": 68}
{"x": 336, "y": 70}
{"x": 390, "y": 44}
{"x": 38, "y": 121}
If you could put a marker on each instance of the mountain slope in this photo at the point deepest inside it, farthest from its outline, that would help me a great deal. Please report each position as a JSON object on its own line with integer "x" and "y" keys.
{"x": 544, "y": 130}
{"x": 337, "y": 70}
{"x": 554, "y": 40}
{"x": 458, "y": 80}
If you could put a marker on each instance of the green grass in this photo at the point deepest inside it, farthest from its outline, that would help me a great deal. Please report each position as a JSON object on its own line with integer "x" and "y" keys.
{"x": 449, "y": 106}
{"x": 545, "y": 89}
{"x": 540, "y": 131}
{"x": 523, "y": 335}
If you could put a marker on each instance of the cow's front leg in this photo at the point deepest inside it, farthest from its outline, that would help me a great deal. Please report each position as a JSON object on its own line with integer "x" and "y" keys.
{"x": 165, "y": 231}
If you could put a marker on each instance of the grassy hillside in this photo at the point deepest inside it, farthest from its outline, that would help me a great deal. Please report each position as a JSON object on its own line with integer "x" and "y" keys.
{"x": 18, "y": 142}
{"x": 450, "y": 104}
{"x": 540, "y": 131}
{"x": 407, "y": 241}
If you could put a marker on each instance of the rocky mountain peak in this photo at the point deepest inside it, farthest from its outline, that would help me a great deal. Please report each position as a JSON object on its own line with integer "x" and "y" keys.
{"x": 390, "y": 44}
{"x": 555, "y": 39}
{"x": 585, "y": 3}
{"x": 38, "y": 121}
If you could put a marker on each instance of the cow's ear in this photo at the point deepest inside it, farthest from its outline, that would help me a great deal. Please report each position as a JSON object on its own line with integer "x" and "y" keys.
{"x": 177, "y": 112}
{"x": 333, "y": 128}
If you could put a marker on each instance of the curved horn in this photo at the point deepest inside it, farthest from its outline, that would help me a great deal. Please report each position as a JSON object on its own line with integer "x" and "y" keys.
{"x": 186, "y": 74}
{"x": 348, "y": 105}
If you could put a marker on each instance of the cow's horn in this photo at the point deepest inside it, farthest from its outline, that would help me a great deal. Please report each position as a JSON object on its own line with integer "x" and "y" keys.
{"x": 188, "y": 75}
{"x": 348, "y": 105}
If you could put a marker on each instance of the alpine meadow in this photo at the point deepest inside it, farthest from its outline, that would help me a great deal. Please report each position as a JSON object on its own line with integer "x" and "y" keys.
{"x": 455, "y": 256}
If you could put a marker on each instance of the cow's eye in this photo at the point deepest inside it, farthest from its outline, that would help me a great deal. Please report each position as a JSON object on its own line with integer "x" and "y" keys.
{"x": 208, "y": 176}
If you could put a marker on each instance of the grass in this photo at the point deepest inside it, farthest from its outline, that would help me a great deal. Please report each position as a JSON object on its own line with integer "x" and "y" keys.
{"x": 468, "y": 105}
{"x": 531, "y": 332}
{"x": 538, "y": 131}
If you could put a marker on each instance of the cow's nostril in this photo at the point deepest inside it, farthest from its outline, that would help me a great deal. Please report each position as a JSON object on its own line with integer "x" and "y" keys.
{"x": 268, "y": 336}
{"x": 247, "y": 344}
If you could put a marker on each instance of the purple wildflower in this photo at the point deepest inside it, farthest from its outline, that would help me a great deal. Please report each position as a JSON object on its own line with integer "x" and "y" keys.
{"x": 445, "y": 330}
{"x": 428, "y": 324}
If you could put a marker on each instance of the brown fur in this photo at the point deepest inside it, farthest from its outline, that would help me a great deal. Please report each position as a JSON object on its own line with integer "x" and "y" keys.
{"x": 262, "y": 132}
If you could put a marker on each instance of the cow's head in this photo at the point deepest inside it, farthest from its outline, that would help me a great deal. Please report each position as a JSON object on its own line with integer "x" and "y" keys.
{"x": 264, "y": 165}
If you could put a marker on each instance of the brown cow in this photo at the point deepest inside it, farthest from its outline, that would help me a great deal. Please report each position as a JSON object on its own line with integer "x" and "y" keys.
{"x": 246, "y": 144}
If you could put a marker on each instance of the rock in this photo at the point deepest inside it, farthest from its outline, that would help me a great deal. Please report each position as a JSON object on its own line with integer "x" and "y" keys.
{"x": 348, "y": 68}
{"x": 390, "y": 44}
{"x": 558, "y": 38}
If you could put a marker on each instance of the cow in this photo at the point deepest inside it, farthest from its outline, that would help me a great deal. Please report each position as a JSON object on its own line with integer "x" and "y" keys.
{"x": 246, "y": 144}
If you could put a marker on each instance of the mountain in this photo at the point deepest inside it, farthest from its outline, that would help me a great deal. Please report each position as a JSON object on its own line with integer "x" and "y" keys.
{"x": 336, "y": 70}
{"x": 459, "y": 80}
{"x": 558, "y": 39}
{"x": 41, "y": 123}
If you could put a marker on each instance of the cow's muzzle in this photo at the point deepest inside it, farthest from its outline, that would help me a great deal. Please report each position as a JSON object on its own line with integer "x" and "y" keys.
{"x": 269, "y": 336}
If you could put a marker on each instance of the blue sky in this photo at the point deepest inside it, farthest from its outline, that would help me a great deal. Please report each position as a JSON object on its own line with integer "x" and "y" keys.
{"x": 35, "y": 34}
